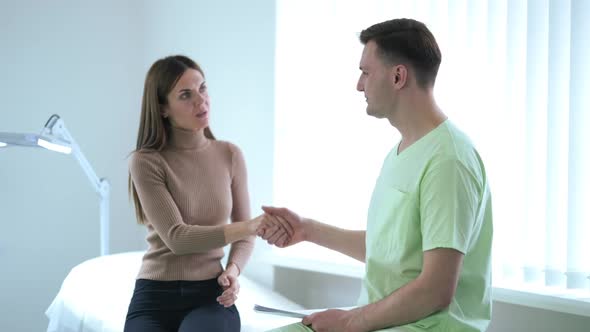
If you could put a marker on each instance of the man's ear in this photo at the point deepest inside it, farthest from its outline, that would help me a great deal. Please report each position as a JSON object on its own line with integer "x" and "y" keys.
{"x": 400, "y": 76}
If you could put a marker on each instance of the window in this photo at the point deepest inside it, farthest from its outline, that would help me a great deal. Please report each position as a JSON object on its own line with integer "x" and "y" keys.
{"x": 514, "y": 76}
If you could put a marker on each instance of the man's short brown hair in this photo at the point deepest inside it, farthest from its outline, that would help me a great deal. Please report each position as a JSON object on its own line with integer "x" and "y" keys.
{"x": 406, "y": 41}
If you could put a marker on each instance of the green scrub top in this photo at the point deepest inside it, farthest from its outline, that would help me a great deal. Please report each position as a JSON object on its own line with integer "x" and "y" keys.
{"x": 434, "y": 194}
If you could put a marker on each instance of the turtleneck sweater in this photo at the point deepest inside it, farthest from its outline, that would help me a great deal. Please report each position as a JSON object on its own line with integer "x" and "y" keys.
{"x": 188, "y": 192}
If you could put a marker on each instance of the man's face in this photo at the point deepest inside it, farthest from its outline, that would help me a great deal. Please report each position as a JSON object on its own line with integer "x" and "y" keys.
{"x": 375, "y": 82}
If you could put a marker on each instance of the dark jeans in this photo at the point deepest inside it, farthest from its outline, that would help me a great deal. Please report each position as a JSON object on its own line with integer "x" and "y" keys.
{"x": 184, "y": 306}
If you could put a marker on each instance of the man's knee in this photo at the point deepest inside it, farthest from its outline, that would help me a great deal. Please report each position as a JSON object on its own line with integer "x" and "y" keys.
{"x": 298, "y": 327}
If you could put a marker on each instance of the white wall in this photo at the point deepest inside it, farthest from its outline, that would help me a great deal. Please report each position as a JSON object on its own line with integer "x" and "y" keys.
{"x": 87, "y": 61}
{"x": 78, "y": 60}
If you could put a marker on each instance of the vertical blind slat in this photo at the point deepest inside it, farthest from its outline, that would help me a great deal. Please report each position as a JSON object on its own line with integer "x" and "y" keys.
{"x": 557, "y": 141}
{"x": 536, "y": 133}
{"x": 578, "y": 259}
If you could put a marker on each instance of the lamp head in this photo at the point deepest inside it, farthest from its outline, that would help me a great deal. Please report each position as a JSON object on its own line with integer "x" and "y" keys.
{"x": 35, "y": 140}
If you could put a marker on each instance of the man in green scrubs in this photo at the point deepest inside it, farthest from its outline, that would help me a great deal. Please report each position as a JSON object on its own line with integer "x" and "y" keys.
{"x": 427, "y": 247}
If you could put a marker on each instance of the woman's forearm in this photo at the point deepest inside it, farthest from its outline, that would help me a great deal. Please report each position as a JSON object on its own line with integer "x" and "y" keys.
{"x": 242, "y": 236}
{"x": 240, "y": 230}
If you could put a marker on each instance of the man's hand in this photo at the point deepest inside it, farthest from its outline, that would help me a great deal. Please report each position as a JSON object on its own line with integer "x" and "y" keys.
{"x": 282, "y": 227}
{"x": 228, "y": 280}
{"x": 333, "y": 320}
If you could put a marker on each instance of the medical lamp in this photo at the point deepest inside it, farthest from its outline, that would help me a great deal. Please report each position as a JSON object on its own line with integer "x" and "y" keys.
{"x": 56, "y": 137}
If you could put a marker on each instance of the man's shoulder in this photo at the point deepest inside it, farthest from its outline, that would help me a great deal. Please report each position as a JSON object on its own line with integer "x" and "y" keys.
{"x": 453, "y": 144}
{"x": 454, "y": 139}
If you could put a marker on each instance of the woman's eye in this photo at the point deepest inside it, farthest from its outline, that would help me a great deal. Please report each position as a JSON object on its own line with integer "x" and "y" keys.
{"x": 203, "y": 88}
{"x": 185, "y": 95}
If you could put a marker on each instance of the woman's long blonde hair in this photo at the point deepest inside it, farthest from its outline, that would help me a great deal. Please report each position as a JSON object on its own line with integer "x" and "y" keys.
{"x": 154, "y": 129}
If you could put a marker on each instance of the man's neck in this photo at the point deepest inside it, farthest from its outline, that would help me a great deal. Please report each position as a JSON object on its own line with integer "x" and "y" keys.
{"x": 417, "y": 116}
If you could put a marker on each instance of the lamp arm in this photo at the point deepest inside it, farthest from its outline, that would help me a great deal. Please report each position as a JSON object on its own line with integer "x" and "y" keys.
{"x": 105, "y": 190}
{"x": 58, "y": 129}
{"x": 55, "y": 126}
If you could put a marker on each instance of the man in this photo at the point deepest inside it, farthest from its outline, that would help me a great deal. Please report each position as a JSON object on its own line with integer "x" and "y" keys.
{"x": 427, "y": 247}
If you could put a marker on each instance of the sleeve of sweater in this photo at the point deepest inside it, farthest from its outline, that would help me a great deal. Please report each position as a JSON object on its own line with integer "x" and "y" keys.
{"x": 162, "y": 213}
{"x": 240, "y": 250}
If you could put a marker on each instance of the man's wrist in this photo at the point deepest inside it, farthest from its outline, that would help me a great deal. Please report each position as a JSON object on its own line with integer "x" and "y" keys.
{"x": 357, "y": 320}
{"x": 308, "y": 226}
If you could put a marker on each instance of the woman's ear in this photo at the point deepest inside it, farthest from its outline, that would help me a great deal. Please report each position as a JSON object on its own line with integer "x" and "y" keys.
{"x": 163, "y": 111}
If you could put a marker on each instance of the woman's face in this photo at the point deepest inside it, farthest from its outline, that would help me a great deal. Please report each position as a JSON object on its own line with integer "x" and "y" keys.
{"x": 188, "y": 102}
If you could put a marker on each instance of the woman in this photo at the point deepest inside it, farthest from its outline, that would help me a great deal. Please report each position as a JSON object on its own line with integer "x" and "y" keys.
{"x": 185, "y": 186}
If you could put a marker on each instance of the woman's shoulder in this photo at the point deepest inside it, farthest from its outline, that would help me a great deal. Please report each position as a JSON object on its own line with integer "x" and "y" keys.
{"x": 231, "y": 153}
{"x": 227, "y": 146}
{"x": 145, "y": 157}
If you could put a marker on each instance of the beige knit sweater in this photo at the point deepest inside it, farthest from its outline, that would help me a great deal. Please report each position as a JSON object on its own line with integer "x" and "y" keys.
{"x": 188, "y": 191}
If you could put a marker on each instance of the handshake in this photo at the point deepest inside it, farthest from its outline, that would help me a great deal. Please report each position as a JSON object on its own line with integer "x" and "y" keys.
{"x": 280, "y": 226}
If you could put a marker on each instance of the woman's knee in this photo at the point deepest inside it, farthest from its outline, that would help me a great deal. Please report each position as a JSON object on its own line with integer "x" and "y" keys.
{"x": 212, "y": 317}
{"x": 145, "y": 324}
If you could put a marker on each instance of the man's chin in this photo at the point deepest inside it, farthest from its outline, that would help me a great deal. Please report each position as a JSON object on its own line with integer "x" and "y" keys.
{"x": 373, "y": 114}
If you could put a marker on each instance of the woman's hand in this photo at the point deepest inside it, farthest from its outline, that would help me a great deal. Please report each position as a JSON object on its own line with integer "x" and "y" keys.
{"x": 228, "y": 280}
{"x": 282, "y": 227}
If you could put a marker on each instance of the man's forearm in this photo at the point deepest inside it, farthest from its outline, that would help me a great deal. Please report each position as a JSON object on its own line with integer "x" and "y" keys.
{"x": 408, "y": 304}
{"x": 348, "y": 242}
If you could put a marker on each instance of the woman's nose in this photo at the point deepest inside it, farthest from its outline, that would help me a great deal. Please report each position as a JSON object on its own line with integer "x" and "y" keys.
{"x": 199, "y": 98}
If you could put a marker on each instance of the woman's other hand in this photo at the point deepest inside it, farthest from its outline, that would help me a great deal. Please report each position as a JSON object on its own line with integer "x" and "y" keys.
{"x": 228, "y": 280}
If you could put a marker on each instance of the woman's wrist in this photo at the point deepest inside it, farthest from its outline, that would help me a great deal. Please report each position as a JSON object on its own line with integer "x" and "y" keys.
{"x": 233, "y": 269}
{"x": 254, "y": 224}
{"x": 240, "y": 230}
